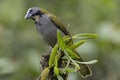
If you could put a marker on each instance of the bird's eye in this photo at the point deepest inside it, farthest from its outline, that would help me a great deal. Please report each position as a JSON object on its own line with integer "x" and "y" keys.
{"x": 31, "y": 11}
{"x": 35, "y": 14}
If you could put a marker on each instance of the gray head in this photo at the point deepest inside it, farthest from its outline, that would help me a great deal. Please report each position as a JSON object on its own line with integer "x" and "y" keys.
{"x": 35, "y": 13}
{"x": 32, "y": 12}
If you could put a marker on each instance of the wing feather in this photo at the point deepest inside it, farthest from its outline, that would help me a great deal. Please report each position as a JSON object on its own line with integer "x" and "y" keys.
{"x": 58, "y": 23}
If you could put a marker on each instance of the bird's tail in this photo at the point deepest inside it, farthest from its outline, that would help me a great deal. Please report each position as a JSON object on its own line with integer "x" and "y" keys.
{"x": 85, "y": 71}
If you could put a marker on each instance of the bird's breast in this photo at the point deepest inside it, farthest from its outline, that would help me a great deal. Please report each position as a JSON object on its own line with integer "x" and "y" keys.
{"x": 47, "y": 30}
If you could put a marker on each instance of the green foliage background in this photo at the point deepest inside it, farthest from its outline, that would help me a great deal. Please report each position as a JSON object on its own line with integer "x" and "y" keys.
{"x": 21, "y": 46}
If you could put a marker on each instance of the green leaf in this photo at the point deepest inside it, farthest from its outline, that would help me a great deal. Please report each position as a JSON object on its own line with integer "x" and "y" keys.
{"x": 45, "y": 73}
{"x": 61, "y": 41}
{"x": 85, "y": 36}
{"x": 89, "y": 62}
{"x": 70, "y": 70}
{"x": 57, "y": 57}
{"x": 74, "y": 46}
{"x": 56, "y": 71}
{"x": 52, "y": 55}
{"x": 72, "y": 54}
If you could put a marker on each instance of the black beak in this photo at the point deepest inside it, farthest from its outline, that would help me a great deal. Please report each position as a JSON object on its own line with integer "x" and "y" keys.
{"x": 28, "y": 16}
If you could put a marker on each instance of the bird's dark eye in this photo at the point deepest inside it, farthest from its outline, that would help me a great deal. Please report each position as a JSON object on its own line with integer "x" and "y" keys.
{"x": 35, "y": 14}
{"x": 31, "y": 11}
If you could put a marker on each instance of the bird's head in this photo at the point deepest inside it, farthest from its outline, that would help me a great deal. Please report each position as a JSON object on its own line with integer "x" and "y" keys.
{"x": 35, "y": 13}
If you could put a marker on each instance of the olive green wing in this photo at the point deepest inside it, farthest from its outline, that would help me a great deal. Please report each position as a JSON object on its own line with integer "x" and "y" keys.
{"x": 58, "y": 23}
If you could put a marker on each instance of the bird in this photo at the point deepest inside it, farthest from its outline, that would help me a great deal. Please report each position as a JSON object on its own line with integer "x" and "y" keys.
{"x": 47, "y": 25}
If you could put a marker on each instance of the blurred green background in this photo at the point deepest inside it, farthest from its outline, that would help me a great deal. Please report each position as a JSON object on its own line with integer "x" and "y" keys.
{"x": 21, "y": 46}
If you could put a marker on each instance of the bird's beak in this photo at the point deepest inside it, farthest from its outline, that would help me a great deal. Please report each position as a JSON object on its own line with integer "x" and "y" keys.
{"x": 28, "y": 16}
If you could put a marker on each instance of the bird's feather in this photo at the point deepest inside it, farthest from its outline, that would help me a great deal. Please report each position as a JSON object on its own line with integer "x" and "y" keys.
{"x": 58, "y": 23}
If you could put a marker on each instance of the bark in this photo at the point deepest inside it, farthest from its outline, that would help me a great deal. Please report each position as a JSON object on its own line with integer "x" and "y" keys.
{"x": 44, "y": 64}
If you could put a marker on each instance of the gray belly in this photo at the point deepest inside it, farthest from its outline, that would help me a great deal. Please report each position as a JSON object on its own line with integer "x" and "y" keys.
{"x": 48, "y": 31}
